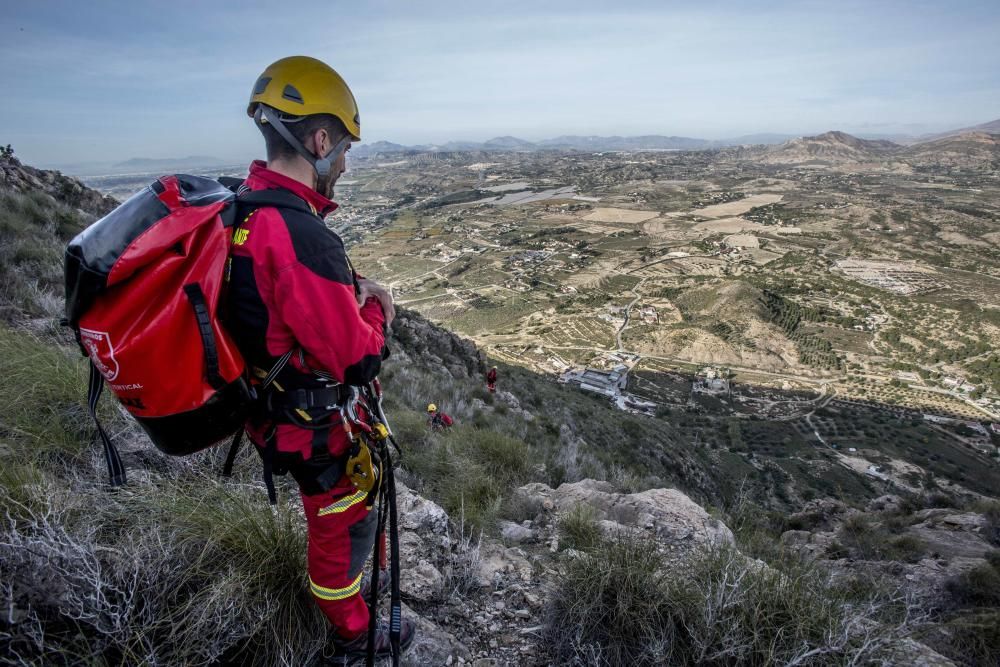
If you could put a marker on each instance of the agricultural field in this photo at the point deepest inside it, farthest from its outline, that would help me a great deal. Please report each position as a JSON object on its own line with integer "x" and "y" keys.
{"x": 698, "y": 259}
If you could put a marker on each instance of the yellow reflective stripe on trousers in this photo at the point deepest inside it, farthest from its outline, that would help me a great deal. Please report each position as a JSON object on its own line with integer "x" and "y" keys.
{"x": 335, "y": 593}
{"x": 344, "y": 504}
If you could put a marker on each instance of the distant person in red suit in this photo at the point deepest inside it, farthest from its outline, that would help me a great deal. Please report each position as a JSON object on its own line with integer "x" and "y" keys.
{"x": 491, "y": 380}
{"x": 437, "y": 420}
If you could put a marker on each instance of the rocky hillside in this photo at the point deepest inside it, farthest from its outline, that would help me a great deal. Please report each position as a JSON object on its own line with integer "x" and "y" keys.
{"x": 40, "y": 211}
{"x": 991, "y": 127}
{"x": 829, "y": 148}
{"x": 974, "y": 150}
{"x": 68, "y": 191}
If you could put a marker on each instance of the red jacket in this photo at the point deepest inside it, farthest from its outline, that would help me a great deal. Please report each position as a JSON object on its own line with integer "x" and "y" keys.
{"x": 291, "y": 287}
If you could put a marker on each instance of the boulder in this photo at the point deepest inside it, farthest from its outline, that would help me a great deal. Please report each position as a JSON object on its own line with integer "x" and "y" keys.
{"x": 509, "y": 399}
{"x": 499, "y": 565}
{"x": 820, "y": 514}
{"x": 666, "y": 514}
{"x": 517, "y": 533}
{"x": 945, "y": 543}
{"x": 419, "y": 514}
{"x": 422, "y": 582}
{"x": 424, "y": 544}
{"x": 886, "y": 503}
{"x": 432, "y": 645}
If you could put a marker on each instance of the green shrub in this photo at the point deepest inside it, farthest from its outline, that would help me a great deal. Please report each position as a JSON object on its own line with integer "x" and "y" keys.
{"x": 34, "y": 228}
{"x": 868, "y": 541}
{"x": 504, "y": 458}
{"x": 609, "y": 608}
{"x": 625, "y": 604}
{"x": 578, "y": 528}
{"x": 979, "y": 587}
{"x": 42, "y": 398}
{"x": 468, "y": 471}
{"x": 971, "y": 638}
{"x": 991, "y": 512}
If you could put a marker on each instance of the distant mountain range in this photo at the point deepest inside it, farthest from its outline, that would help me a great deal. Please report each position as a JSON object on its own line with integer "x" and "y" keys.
{"x": 838, "y": 141}
{"x": 992, "y": 127}
{"x": 169, "y": 163}
{"x": 828, "y": 144}
{"x": 965, "y": 149}
{"x": 573, "y": 142}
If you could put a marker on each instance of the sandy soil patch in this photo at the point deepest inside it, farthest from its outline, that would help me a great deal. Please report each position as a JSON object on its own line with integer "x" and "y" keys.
{"x": 894, "y": 471}
{"x": 761, "y": 257}
{"x": 700, "y": 265}
{"x": 665, "y": 228}
{"x": 958, "y": 238}
{"x": 742, "y": 241}
{"x": 740, "y": 207}
{"x": 508, "y": 187}
{"x": 737, "y": 225}
{"x": 593, "y": 274}
{"x": 729, "y": 226}
{"x": 620, "y": 215}
{"x": 594, "y": 228}
{"x": 773, "y": 353}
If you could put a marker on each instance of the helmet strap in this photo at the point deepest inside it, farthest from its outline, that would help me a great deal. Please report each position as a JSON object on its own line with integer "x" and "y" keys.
{"x": 321, "y": 166}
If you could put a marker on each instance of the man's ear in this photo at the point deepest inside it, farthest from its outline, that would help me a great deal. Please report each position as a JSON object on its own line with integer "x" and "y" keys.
{"x": 317, "y": 147}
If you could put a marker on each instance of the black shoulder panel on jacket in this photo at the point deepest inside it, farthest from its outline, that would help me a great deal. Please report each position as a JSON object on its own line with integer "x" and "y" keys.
{"x": 317, "y": 247}
{"x": 245, "y": 314}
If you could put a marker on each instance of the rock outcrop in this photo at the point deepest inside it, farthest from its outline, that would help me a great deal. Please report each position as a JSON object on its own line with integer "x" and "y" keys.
{"x": 667, "y": 515}
{"x": 66, "y": 189}
{"x": 437, "y": 348}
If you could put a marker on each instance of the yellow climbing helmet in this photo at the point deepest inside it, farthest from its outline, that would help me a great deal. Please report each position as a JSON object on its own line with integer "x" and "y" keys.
{"x": 432, "y": 408}
{"x": 303, "y": 86}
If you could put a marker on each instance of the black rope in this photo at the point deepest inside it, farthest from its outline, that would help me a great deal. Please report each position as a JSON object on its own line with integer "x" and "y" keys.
{"x": 270, "y": 446}
{"x": 116, "y": 469}
{"x": 373, "y": 592}
{"x": 234, "y": 448}
{"x": 395, "y": 606}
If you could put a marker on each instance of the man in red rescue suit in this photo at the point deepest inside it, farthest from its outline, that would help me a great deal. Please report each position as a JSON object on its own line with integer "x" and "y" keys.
{"x": 292, "y": 289}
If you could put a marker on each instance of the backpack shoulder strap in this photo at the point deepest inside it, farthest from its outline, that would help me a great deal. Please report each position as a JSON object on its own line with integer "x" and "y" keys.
{"x": 230, "y": 183}
{"x": 277, "y": 198}
{"x": 247, "y": 199}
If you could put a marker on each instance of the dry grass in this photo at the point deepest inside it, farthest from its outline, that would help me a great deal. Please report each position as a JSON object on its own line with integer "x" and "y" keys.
{"x": 625, "y": 604}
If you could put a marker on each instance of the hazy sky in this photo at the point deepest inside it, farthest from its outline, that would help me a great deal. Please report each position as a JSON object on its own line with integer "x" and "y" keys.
{"x": 83, "y": 81}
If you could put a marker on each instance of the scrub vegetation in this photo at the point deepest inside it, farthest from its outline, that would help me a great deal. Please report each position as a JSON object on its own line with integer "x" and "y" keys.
{"x": 180, "y": 567}
{"x": 624, "y": 603}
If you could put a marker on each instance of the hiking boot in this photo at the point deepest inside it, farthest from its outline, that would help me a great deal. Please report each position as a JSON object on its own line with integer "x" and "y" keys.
{"x": 356, "y": 650}
{"x": 383, "y": 586}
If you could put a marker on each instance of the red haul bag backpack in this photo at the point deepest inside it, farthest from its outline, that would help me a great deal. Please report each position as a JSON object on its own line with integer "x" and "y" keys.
{"x": 143, "y": 289}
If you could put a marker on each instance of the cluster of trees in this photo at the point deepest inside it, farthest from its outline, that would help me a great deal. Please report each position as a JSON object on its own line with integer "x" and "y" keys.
{"x": 788, "y": 315}
{"x": 987, "y": 371}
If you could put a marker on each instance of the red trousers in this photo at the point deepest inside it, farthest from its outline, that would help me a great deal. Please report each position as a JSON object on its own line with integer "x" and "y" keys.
{"x": 342, "y": 532}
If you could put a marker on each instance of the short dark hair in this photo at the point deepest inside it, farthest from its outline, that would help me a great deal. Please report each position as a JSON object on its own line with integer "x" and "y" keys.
{"x": 301, "y": 127}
